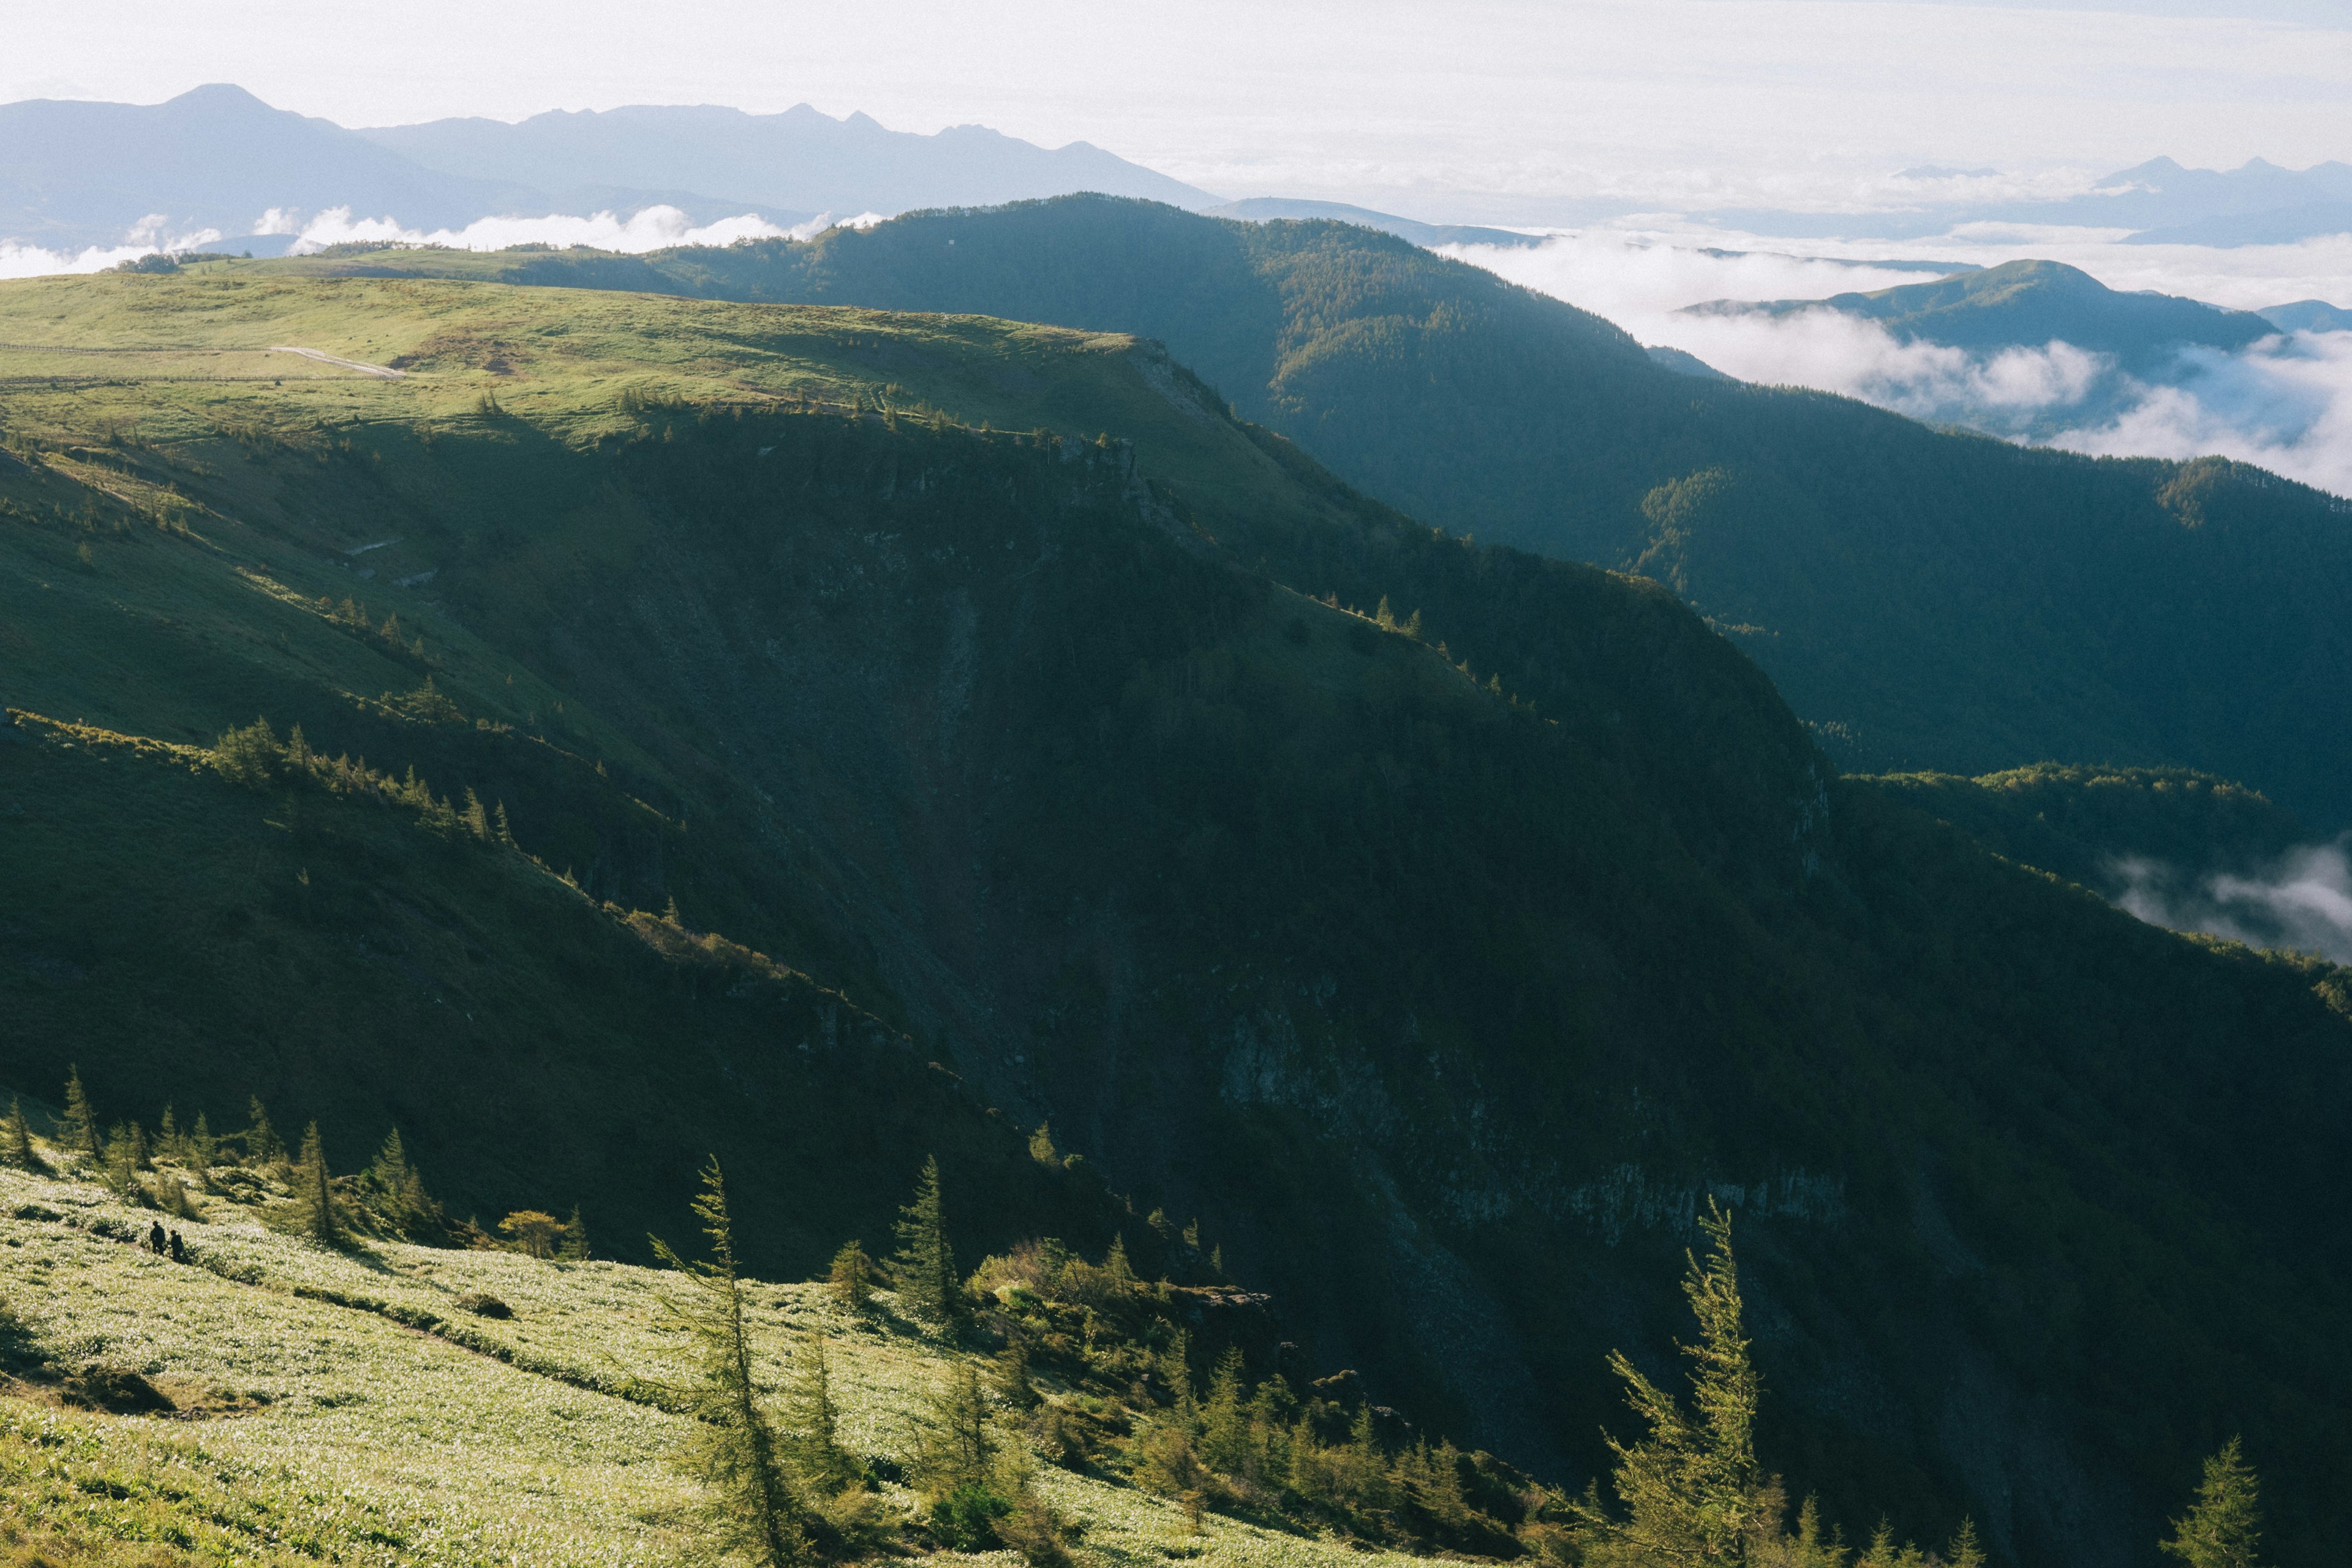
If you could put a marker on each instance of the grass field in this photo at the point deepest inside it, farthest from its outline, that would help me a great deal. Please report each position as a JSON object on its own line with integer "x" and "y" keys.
{"x": 313, "y": 1426}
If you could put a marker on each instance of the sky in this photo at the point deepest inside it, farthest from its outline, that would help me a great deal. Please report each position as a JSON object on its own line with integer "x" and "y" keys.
{"x": 1493, "y": 110}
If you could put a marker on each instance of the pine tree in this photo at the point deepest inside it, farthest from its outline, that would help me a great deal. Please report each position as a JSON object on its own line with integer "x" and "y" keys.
{"x": 477, "y": 820}
{"x": 17, "y": 1139}
{"x": 204, "y": 1151}
{"x": 1114, "y": 1264}
{"x": 78, "y": 1128}
{"x": 314, "y": 1192}
{"x": 851, "y": 1277}
{"x": 923, "y": 1269}
{"x": 1040, "y": 1145}
{"x": 167, "y": 1136}
{"x": 261, "y": 1144}
{"x": 2223, "y": 1527}
{"x": 1692, "y": 1488}
{"x": 572, "y": 1247}
{"x": 1965, "y": 1551}
{"x": 733, "y": 1448}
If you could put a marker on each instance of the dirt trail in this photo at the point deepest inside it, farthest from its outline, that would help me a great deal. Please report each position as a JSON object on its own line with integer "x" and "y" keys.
{"x": 361, "y": 365}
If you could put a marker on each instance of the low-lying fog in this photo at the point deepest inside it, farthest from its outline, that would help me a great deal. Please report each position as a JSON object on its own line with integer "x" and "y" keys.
{"x": 2284, "y": 402}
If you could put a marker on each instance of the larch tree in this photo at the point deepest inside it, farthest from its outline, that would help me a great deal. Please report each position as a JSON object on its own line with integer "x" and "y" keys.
{"x": 923, "y": 1269}
{"x": 78, "y": 1128}
{"x": 851, "y": 1277}
{"x": 314, "y": 1191}
{"x": 733, "y": 1448}
{"x": 17, "y": 1139}
{"x": 2223, "y": 1527}
{"x": 1692, "y": 1490}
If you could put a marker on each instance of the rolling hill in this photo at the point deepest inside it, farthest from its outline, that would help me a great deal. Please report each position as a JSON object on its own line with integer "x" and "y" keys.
{"x": 714, "y": 715}
{"x": 1925, "y": 600}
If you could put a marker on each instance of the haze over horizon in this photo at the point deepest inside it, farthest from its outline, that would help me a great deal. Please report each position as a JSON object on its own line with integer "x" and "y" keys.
{"x": 1515, "y": 114}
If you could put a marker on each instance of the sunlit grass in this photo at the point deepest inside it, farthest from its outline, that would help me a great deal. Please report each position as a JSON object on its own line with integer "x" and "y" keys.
{"x": 339, "y": 1434}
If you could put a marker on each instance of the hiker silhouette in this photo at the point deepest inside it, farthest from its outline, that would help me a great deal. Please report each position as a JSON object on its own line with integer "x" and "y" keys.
{"x": 178, "y": 1252}
{"x": 155, "y": 1237}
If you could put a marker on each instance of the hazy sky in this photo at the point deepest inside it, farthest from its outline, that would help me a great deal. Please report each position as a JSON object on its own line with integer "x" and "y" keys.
{"x": 1486, "y": 108}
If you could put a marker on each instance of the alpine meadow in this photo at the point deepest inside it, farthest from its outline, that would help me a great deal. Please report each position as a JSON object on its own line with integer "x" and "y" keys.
{"x": 1081, "y": 884}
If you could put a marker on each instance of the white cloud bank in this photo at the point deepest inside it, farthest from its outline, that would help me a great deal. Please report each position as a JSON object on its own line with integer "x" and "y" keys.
{"x": 2284, "y": 402}
{"x": 650, "y": 228}
{"x": 2304, "y": 902}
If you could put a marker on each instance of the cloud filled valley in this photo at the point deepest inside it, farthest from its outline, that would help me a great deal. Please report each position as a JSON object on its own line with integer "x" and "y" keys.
{"x": 2283, "y": 402}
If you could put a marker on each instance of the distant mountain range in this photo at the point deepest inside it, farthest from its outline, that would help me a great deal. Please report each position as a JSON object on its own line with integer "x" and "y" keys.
{"x": 218, "y": 158}
{"x": 2160, "y": 202}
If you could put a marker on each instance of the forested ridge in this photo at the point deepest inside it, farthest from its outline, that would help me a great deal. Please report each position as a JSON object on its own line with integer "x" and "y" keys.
{"x": 746, "y": 709}
{"x": 1926, "y": 600}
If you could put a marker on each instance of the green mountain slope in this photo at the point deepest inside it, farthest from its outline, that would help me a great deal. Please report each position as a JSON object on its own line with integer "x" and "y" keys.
{"x": 1929, "y": 600}
{"x": 997, "y": 679}
{"x": 2026, "y": 304}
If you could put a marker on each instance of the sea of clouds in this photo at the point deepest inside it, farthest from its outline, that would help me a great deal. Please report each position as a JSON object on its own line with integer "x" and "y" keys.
{"x": 648, "y": 228}
{"x": 2284, "y": 402}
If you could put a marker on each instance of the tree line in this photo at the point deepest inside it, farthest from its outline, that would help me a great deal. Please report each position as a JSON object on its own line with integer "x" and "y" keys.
{"x": 1089, "y": 1366}
{"x": 174, "y": 1169}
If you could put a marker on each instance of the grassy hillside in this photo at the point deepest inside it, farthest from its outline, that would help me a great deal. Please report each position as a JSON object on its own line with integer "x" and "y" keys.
{"x": 1926, "y": 600}
{"x": 272, "y": 1401}
{"x": 1442, "y": 925}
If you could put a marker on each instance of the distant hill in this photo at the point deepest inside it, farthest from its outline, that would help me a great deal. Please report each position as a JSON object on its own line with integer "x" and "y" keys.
{"x": 799, "y": 159}
{"x": 2308, "y": 316}
{"x": 1257, "y": 209}
{"x": 2026, "y": 304}
{"x": 217, "y": 158}
{"x": 1929, "y": 600}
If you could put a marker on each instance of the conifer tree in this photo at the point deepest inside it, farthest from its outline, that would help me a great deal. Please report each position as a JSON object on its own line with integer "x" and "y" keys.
{"x": 955, "y": 1446}
{"x": 923, "y": 1269}
{"x": 814, "y": 1421}
{"x": 78, "y": 1128}
{"x": 734, "y": 1447}
{"x": 17, "y": 1139}
{"x": 261, "y": 1144}
{"x": 1040, "y": 1145}
{"x": 119, "y": 1169}
{"x": 314, "y": 1192}
{"x": 477, "y": 820}
{"x": 851, "y": 1277}
{"x": 572, "y": 1246}
{"x": 167, "y": 1136}
{"x": 1964, "y": 1551}
{"x": 1114, "y": 1264}
{"x": 1224, "y": 1418}
{"x": 1013, "y": 1381}
{"x": 204, "y": 1151}
{"x": 2223, "y": 1528}
{"x": 1692, "y": 1488}
{"x": 534, "y": 1232}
